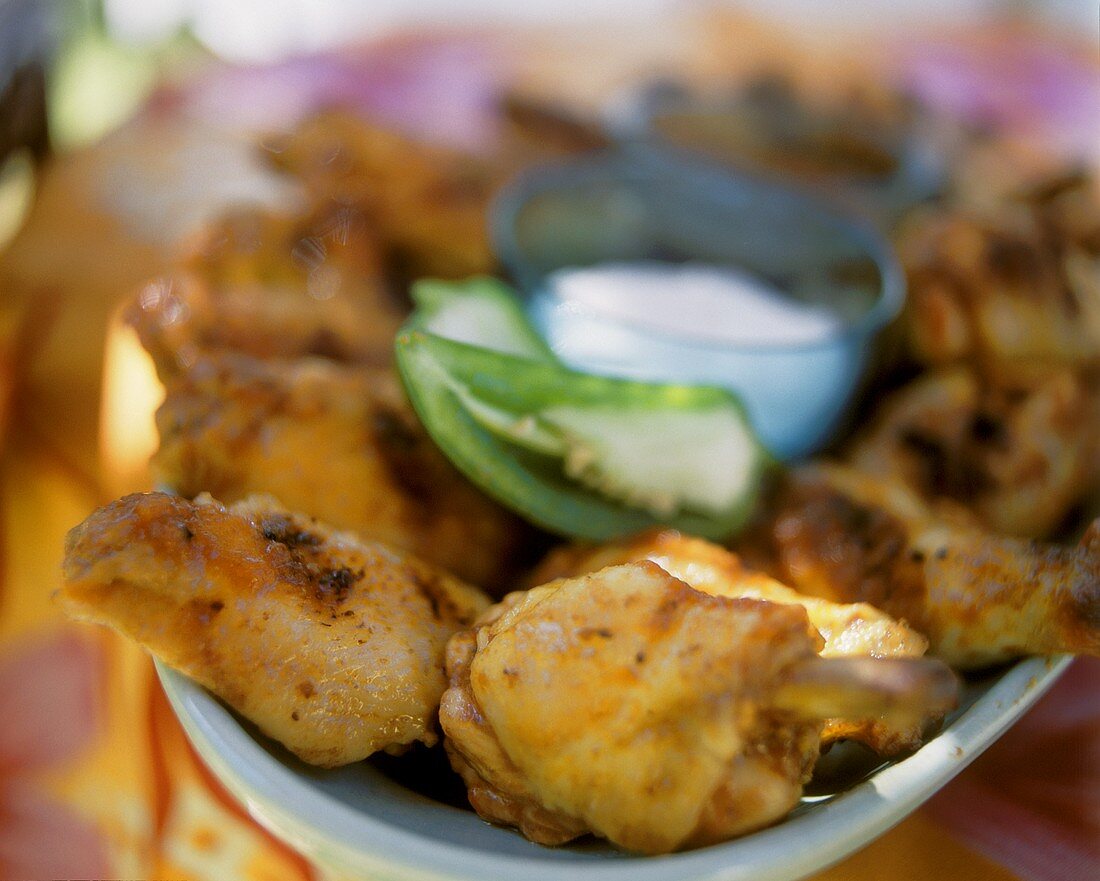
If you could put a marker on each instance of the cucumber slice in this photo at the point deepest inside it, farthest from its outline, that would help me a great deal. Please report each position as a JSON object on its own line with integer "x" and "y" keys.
{"x": 680, "y": 460}
{"x": 481, "y": 311}
{"x": 585, "y": 456}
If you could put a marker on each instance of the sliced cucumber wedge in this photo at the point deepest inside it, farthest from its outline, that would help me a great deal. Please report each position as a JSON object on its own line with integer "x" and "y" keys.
{"x": 662, "y": 461}
{"x": 481, "y": 311}
{"x": 581, "y": 455}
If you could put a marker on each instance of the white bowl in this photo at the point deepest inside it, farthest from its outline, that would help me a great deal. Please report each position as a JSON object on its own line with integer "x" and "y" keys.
{"x": 646, "y": 203}
{"x": 359, "y": 821}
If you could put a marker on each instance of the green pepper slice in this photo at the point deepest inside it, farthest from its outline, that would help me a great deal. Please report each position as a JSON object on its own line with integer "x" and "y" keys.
{"x": 584, "y": 456}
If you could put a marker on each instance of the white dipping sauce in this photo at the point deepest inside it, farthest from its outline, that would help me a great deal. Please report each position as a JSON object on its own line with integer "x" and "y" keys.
{"x": 706, "y": 303}
{"x": 790, "y": 362}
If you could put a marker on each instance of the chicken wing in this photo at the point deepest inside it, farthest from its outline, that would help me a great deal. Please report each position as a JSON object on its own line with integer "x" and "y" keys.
{"x": 981, "y": 599}
{"x": 628, "y": 704}
{"x": 337, "y": 443}
{"x": 273, "y": 286}
{"x": 1020, "y": 454}
{"x": 1007, "y": 285}
{"x": 331, "y": 645}
{"x": 849, "y": 630}
{"x": 426, "y": 203}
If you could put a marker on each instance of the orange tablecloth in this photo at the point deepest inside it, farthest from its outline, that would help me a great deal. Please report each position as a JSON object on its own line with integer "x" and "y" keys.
{"x": 96, "y": 777}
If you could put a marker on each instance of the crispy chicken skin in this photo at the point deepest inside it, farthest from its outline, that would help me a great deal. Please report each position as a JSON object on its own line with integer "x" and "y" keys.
{"x": 1004, "y": 311}
{"x": 273, "y": 287}
{"x": 848, "y": 629}
{"x": 334, "y": 442}
{"x": 1008, "y": 284}
{"x": 1018, "y": 453}
{"x": 628, "y": 704}
{"x": 331, "y": 645}
{"x": 981, "y": 599}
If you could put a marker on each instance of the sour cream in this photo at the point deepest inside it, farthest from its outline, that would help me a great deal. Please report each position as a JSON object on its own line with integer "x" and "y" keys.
{"x": 790, "y": 362}
{"x": 702, "y": 302}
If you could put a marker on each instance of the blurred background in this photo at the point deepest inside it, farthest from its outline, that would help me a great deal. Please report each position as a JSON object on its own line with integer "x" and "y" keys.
{"x": 80, "y": 68}
{"x": 103, "y": 57}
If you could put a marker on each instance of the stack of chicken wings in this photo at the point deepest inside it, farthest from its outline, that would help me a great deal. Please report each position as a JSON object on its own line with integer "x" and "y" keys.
{"x": 322, "y": 568}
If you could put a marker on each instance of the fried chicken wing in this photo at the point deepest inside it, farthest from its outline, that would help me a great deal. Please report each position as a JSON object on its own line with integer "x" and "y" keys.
{"x": 381, "y": 209}
{"x": 848, "y": 629}
{"x": 272, "y": 286}
{"x": 331, "y": 645}
{"x": 426, "y": 203}
{"x": 1008, "y": 284}
{"x": 337, "y": 443}
{"x": 1020, "y": 454}
{"x": 628, "y": 704}
{"x": 838, "y": 533}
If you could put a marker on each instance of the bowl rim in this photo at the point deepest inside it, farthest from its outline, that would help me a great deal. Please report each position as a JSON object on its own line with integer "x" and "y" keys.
{"x": 320, "y": 825}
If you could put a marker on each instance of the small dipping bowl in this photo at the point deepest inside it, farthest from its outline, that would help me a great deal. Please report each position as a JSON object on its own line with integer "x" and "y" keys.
{"x": 643, "y": 204}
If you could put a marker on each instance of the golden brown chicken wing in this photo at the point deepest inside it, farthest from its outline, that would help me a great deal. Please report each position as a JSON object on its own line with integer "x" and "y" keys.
{"x": 331, "y": 645}
{"x": 628, "y": 704}
{"x": 427, "y": 204}
{"x": 337, "y": 443}
{"x": 1018, "y": 453}
{"x": 272, "y": 286}
{"x": 1010, "y": 286}
{"x": 848, "y": 629}
{"x": 838, "y": 533}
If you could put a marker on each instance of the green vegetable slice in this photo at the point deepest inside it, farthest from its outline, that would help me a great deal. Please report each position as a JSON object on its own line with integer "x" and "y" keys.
{"x": 481, "y": 311}
{"x": 585, "y": 456}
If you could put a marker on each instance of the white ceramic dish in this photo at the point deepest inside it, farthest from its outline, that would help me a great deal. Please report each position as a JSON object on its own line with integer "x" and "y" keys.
{"x": 639, "y": 203}
{"x": 360, "y": 822}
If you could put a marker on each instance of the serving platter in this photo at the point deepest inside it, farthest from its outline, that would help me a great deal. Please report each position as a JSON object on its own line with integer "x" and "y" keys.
{"x": 361, "y": 822}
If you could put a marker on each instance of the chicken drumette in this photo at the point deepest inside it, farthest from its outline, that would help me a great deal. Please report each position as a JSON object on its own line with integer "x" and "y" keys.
{"x": 331, "y": 645}
{"x": 628, "y": 704}
{"x": 1018, "y": 453}
{"x": 848, "y": 630}
{"x": 981, "y": 599}
{"x": 1004, "y": 309}
{"x": 1008, "y": 284}
{"x": 273, "y": 286}
{"x": 338, "y": 443}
